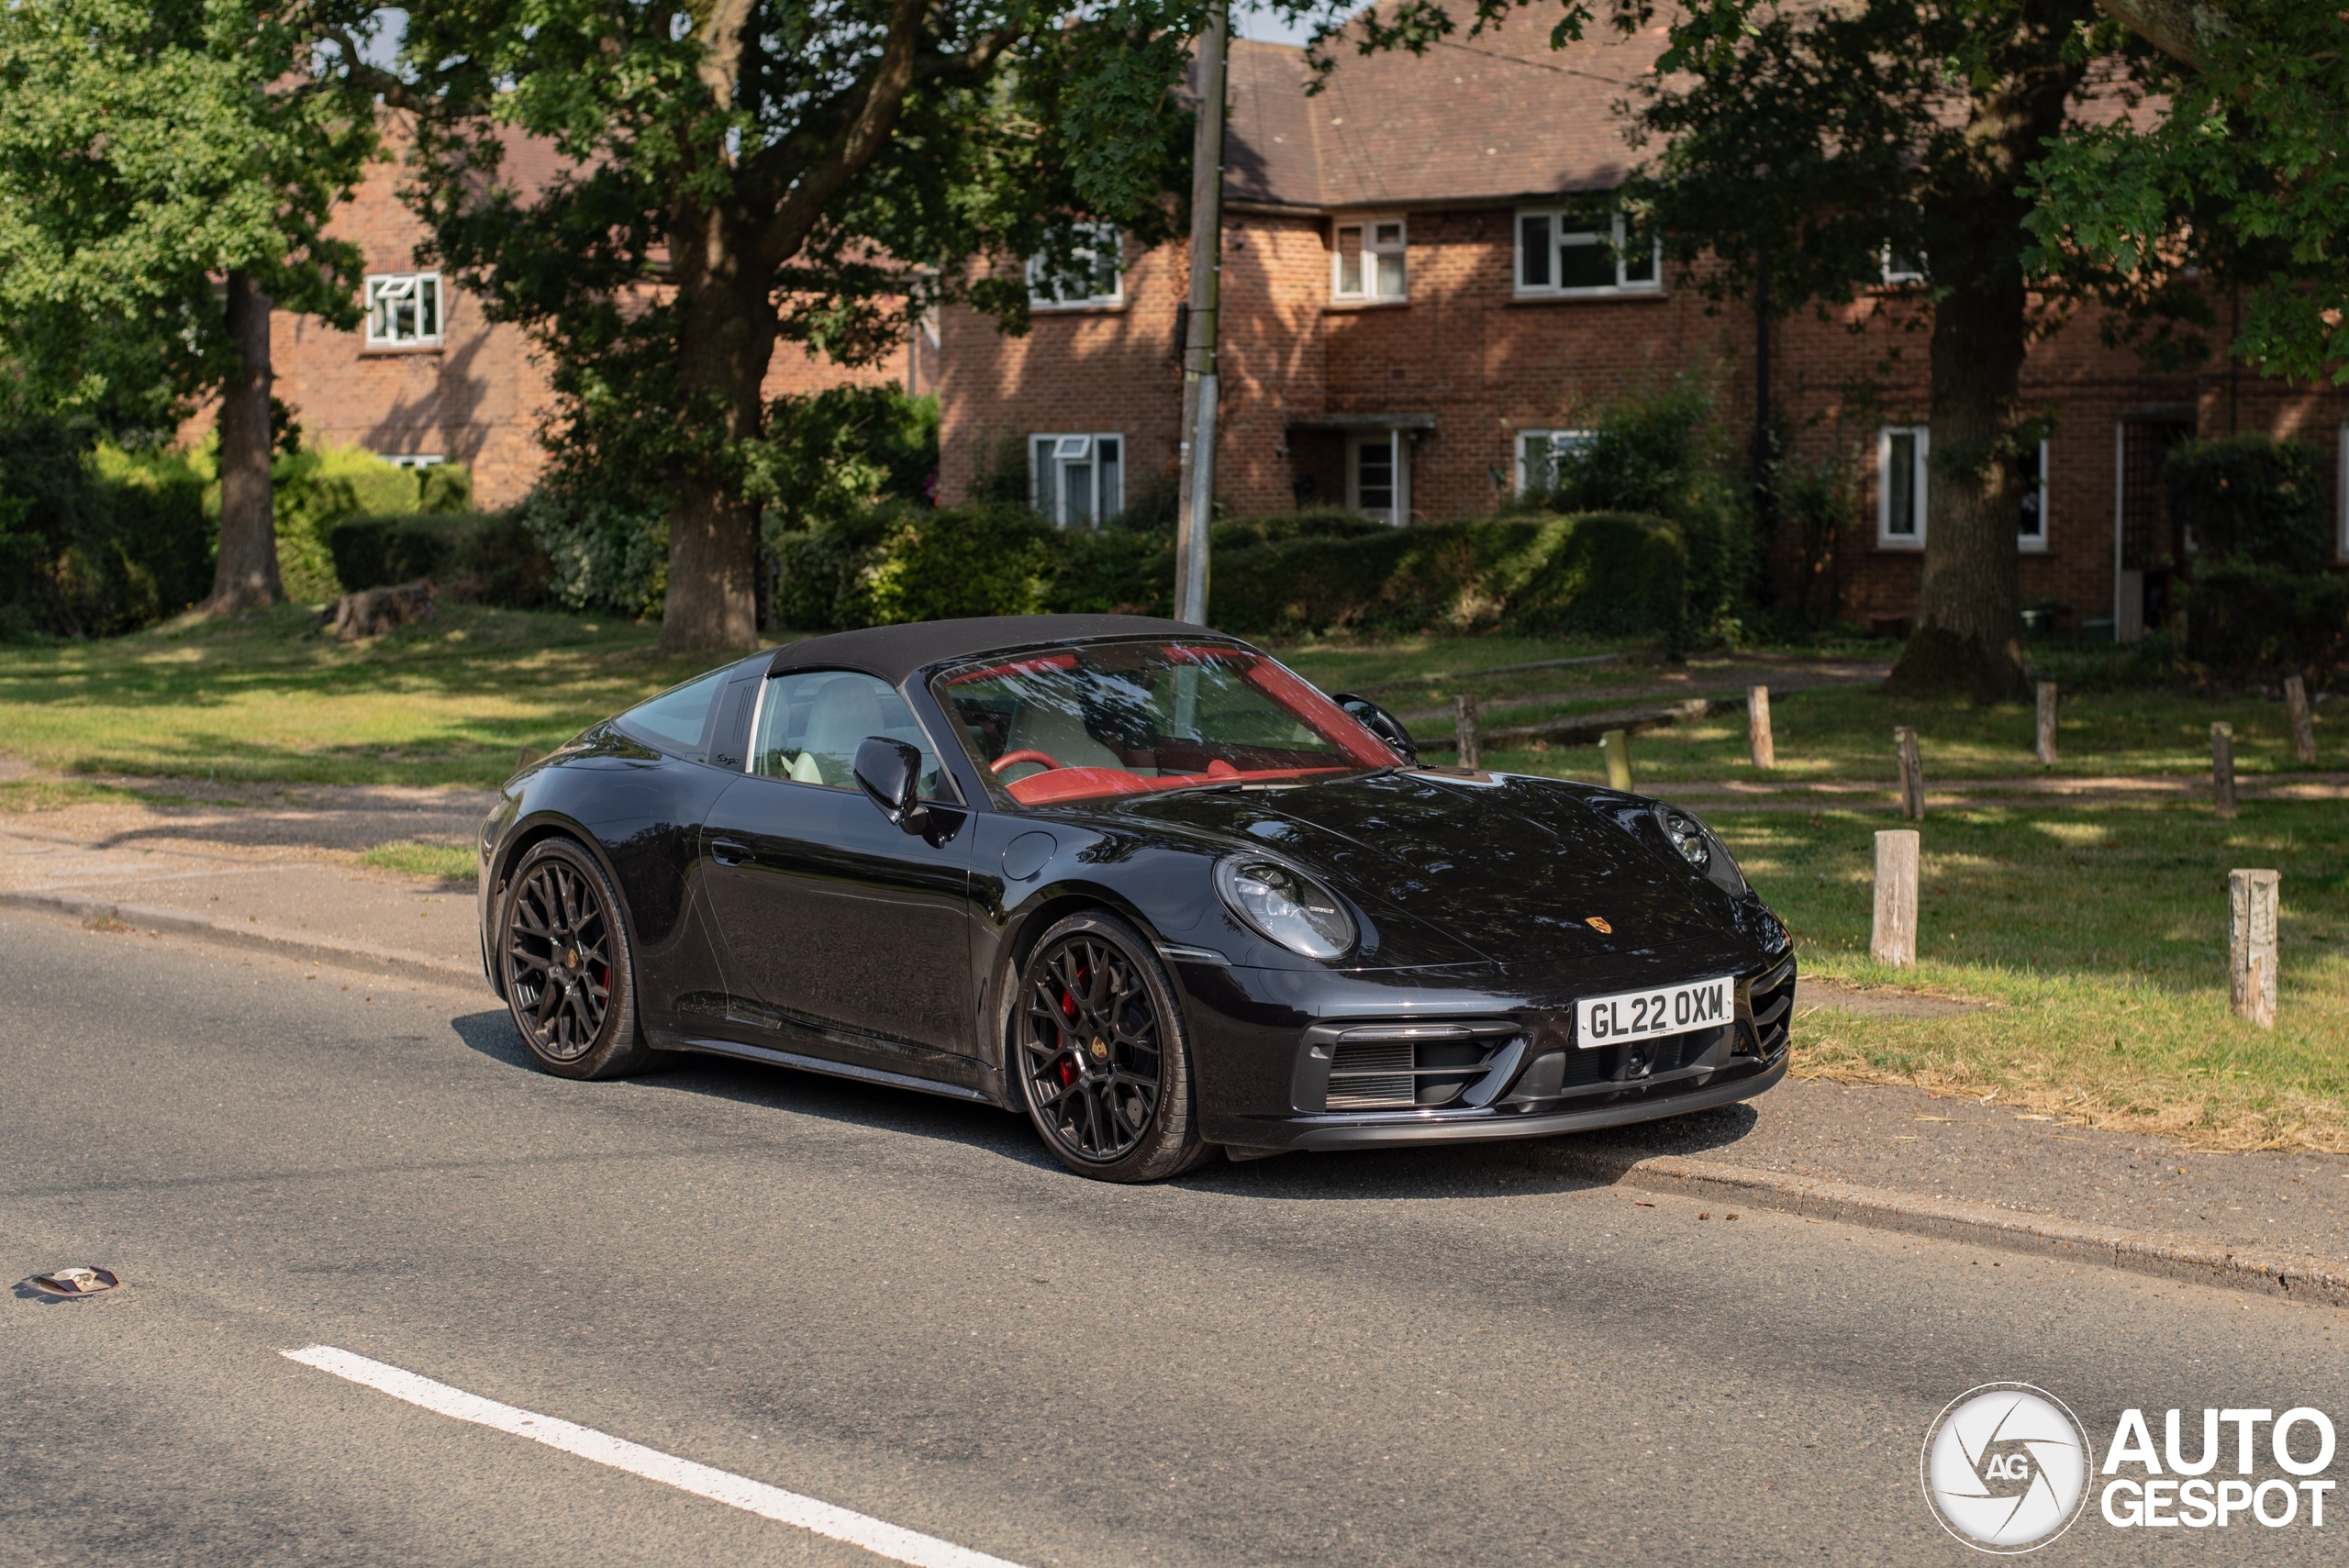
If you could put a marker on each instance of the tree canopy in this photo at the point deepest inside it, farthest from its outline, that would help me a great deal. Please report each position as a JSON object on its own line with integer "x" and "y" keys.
{"x": 732, "y": 174}
{"x": 167, "y": 169}
{"x": 2236, "y": 172}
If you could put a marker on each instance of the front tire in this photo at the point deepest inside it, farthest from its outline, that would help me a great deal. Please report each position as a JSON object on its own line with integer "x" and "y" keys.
{"x": 1097, "y": 1053}
{"x": 570, "y": 972}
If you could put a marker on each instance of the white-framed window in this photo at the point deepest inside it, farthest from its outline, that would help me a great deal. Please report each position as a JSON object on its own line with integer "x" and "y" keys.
{"x": 1079, "y": 480}
{"x": 1562, "y": 253}
{"x": 1379, "y": 476}
{"x": 1538, "y": 453}
{"x": 413, "y": 460}
{"x": 1900, "y": 487}
{"x": 403, "y": 309}
{"x": 1093, "y": 278}
{"x": 1900, "y": 267}
{"x": 2030, "y": 525}
{"x": 1371, "y": 260}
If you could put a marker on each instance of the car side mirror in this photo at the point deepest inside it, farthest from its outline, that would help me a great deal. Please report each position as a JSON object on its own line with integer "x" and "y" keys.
{"x": 890, "y": 773}
{"x": 1381, "y": 723}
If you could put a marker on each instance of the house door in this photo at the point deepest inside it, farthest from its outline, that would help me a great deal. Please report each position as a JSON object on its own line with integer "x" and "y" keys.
{"x": 2146, "y": 548}
{"x": 1379, "y": 476}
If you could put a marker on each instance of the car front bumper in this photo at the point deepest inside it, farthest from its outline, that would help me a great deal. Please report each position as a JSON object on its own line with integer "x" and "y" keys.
{"x": 1367, "y": 1062}
{"x": 1478, "y": 1126}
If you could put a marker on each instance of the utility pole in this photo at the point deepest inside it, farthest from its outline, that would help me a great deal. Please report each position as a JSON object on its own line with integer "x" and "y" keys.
{"x": 1196, "y": 503}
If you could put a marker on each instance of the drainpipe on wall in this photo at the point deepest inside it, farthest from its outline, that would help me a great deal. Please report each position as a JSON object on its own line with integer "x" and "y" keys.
{"x": 1196, "y": 505}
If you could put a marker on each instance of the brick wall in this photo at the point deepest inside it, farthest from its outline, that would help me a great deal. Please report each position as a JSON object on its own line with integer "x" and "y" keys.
{"x": 479, "y": 397}
{"x": 1487, "y": 364}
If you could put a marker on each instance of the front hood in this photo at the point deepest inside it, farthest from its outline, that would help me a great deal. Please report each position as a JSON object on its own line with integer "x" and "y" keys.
{"x": 1515, "y": 869}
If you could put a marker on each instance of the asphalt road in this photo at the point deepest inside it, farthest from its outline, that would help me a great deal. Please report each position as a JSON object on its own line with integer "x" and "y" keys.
{"x": 898, "y": 1305}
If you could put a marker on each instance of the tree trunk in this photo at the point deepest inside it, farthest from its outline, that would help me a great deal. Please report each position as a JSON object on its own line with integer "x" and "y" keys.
{"x": 246, "y": 574}
{"x": 1968, "y": 639}
{"x": 726, "y": 335}
{"x": 1969, "y": 604}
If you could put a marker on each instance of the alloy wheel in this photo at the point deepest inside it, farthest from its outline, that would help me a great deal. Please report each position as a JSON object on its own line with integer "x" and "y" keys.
{"x": 558, "y": 961}
{"x": 1091, "y": 1048}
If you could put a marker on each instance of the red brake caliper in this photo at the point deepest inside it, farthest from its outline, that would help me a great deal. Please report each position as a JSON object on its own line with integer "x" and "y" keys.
{"x": 1068, "y": 1010}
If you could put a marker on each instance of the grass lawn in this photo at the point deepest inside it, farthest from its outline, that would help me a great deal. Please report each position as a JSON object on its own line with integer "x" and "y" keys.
{"x": 2100, "y": 935}
{"x": 1839, "y": 735}
{"x": 449, "y": 700}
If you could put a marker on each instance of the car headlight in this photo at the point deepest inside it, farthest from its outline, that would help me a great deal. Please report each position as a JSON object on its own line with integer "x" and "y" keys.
{"x": 1704, "y": 853}
{"x": 1688, "y": 837}
{"x": 1285, "y": 906}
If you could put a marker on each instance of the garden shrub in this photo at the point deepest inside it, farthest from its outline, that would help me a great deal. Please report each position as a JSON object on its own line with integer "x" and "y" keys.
{"x": 2268, "y": 620}
{"x": 1661, "y": 453}
{"x": 1604, "y": 574}
{"x": 314, "y": 488}
{"x": 483, "y": 558}
{"x": 1608, "y": 573}
{"x": 95, "y": 540}
{"x": 603, "y": 552}
{"x": 2250, "y": 500}
{"x": 904, "y": 563}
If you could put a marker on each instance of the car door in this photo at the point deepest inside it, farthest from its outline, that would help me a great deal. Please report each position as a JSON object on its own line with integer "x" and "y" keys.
{"x": 852, "y": 935}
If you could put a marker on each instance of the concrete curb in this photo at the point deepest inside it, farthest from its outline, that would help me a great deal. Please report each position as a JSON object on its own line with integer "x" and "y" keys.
{"x": 397, "y": 962}
{"x": 2202, "y": 1259}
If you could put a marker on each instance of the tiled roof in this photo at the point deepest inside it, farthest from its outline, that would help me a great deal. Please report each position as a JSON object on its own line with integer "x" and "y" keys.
{"x": 1501, "y": 115}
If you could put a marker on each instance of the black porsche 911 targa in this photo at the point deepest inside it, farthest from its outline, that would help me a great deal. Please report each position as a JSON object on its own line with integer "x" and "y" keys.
{"x": 1133, "y": 879}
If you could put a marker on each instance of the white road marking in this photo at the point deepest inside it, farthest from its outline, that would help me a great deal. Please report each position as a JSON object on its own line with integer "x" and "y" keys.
{"x": 876, "y": 1536}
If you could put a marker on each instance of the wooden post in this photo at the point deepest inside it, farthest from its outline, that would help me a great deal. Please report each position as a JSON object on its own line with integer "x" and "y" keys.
{"x": 1617, "y": 745}
{"x": 2222, "y": 768}
{"x": 1757, "y": 727}
{"x": 1894, "y": 940}
{"x": 1464, "y": 721}
{"x": 2251, "y": 945}
{"x": 2047, "y": 722}
{"x": 2296, "y": 704}
{"x": 1912, "y": 773}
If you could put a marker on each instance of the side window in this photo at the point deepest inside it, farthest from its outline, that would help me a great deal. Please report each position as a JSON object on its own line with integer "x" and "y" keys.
{"x": 812, "y": 721}
{"x": 677, "y": 721}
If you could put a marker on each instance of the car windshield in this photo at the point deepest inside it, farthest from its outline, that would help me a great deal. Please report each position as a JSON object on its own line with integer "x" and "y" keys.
{"x": 1131, "y": 718}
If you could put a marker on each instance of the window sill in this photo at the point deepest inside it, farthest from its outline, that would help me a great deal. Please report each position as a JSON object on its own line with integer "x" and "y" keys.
{"x": 1346, "y": 306}
{"x": 1899, "y": 546}
{"x": 399, "y": 350}
{"x": 1080, "y": 307}
{"x": 1589, "y": 296}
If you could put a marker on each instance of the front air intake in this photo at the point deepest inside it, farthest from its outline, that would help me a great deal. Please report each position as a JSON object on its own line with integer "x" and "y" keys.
{"x": 1402, "y": 1067}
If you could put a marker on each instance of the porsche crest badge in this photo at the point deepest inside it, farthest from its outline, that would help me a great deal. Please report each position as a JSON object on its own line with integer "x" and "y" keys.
{"x": 1598, "y": 923}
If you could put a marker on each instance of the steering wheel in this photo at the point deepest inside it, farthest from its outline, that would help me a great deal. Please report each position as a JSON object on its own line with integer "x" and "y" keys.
{"x": 1009, "y": 758}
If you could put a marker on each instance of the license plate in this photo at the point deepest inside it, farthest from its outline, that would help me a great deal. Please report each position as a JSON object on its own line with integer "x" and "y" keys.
{"x": 1643, "y": 1015}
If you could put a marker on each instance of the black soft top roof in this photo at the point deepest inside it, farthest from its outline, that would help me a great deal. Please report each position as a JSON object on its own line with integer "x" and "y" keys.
{"x": 894, "y": 653}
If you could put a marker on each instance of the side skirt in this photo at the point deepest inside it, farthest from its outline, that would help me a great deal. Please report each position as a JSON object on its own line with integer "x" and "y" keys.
{"x": 834, "y": 1069}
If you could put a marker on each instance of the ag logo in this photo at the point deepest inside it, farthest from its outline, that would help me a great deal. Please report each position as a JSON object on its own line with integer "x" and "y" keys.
{"x": 2005, "y": 1467}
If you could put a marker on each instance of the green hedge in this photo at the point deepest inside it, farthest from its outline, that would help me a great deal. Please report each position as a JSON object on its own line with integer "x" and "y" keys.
{"x": 2252, "y": 501}
{"x": 2268, "y": 620}
{"x": 94, "y": 540}
{"x": 489, "y": 557}
{"x": 1608, "y": 574}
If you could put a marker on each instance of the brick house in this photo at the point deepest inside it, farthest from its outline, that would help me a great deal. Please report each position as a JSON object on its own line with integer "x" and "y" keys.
{"x": 426, "y": 379}
{"x": 1424, "y": 291}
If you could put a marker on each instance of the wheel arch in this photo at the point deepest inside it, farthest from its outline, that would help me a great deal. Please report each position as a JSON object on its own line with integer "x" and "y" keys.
{"x": 1027, "y": 928}
{"x": 520, "y": 841}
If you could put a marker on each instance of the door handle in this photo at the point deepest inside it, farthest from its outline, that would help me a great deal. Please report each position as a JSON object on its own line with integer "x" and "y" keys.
{"x": 727, "y": 853}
